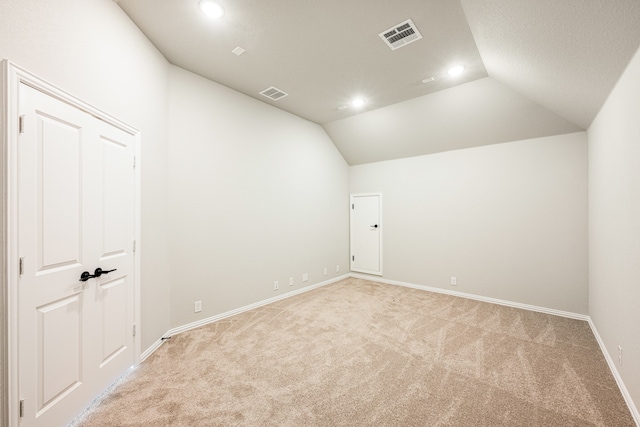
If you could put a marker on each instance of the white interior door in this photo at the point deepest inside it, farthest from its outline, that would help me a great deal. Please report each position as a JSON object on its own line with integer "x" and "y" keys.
{"x": 76, "y": 214}
{"x": 366, "y": 233}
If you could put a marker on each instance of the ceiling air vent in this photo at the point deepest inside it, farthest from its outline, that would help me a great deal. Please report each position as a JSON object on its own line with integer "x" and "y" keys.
{"x": 401, "y": 35}
{"x": 273, "y": 93}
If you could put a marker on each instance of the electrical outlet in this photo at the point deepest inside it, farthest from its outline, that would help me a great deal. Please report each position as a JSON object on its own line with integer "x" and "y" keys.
{"x": 197, "y": 306}
{"x": 305, "y": 277}
{"x": 275, "y": 285}
{"x": 290, "y": 281}
{"x": 620, "y": 355}
{"x": 454, "y": 281}
{"x": 325, "y": 271}
{"x": 338, "y": 268}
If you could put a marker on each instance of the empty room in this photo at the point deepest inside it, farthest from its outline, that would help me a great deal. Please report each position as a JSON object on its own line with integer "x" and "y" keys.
{"x": 290, "y": 213}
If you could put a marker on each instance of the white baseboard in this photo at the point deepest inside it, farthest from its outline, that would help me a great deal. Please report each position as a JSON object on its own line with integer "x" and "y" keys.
{"x": 612, "y": 366}
{"x": 148, "y": 352}
{"x": 475, "y": 297}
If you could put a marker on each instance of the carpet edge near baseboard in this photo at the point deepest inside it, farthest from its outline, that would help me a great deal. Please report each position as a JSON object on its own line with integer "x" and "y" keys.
{"x": 614, "y": 371}
{"x": 616, "y": 375}
{"x": 174, "y": 331}
{"x": 612, "y": 367}
{"x": 507, "y": 303}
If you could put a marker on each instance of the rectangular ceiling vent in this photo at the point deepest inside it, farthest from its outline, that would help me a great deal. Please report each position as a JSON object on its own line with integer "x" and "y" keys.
{"x": 273, "y": 93}
{"x": 401, "y": 35}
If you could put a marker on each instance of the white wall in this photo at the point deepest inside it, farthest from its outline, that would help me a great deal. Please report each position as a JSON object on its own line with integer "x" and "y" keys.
{"x": 614, "y": 225}
{"x": 91, "y": 49}
{"x": 256, "y": 195}
{"x": 508, "y": 220}
{"x": 247, "y": 194}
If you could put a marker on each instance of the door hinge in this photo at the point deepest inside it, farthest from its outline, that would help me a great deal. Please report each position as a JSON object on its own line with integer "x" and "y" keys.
{"x": 353, "y": 205}
{"x": 134, "y": 246}
{"x": 21, "y": 266}
{"x": 134, "y": 162}
{"x": 21, "y": 124}
{"x": 353, "y": 257}
{"x": 21, "y": 408}
{"x": 134, "y": 330}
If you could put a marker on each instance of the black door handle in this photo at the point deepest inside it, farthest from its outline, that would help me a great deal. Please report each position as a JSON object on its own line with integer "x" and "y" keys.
{"x": 86, "y": 276}
{"x": 374, "y": 226}
{"x": 99, "y": 272}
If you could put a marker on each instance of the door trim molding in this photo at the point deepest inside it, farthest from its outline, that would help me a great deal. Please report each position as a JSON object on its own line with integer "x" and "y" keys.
{"x": 12, "y": 77}
{"x": 5, "y": 244}
{"x": 351, "y": 198}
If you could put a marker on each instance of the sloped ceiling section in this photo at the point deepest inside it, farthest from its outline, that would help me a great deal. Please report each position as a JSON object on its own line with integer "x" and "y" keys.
{"x": 564, "y": 54}
{"x": 534, "y": 67}
{"x": 551, "y": 66}
{"x": 322, "y": 53}
{"x": 477, "y": 113}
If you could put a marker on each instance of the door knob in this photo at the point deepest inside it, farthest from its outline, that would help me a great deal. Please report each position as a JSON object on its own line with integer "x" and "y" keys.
{"x": 99, "y": 272}
{"x": 374, "y": 226}
{"x": 86, "y": 276}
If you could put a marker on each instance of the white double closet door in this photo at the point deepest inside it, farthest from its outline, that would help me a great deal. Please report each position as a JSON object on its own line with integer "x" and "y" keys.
{"x": 75, "y": 214}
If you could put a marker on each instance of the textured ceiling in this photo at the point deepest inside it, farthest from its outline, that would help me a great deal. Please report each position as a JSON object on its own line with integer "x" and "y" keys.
{"x": 322, "y": 53}
{"x": 550, "y": 64}
{"x": 564, "y": 54}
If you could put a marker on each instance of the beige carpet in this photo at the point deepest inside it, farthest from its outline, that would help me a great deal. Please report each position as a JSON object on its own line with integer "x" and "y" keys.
{"x": 358, "y": 353}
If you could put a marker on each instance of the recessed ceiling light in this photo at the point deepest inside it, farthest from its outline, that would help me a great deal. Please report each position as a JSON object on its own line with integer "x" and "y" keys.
{"x": 428, "y": 80}
{"x": 211, "y": 9}
{"x": 456, "y": 70}
{"x": 359, "y": 102}
{"x": 238, "y": 51}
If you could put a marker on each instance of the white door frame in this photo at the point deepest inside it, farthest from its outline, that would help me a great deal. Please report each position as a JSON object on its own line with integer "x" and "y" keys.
{"x": 12, "y": 77}
{"x": 351, "y": 201}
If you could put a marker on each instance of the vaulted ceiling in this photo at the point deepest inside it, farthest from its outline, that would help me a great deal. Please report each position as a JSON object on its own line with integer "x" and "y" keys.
{"x": 533, "y": 67}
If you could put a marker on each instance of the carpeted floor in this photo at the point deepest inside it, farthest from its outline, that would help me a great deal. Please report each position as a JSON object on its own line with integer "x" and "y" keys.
{"x": 358, "y": 353}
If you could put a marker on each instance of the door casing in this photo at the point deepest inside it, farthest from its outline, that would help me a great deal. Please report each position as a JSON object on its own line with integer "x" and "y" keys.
{"x": 12, "y": 77}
